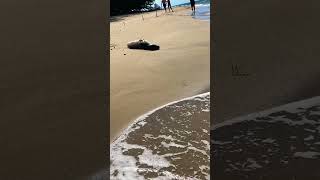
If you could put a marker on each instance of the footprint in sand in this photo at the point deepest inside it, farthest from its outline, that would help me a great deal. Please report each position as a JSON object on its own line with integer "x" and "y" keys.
{"x": 184, "y": 83}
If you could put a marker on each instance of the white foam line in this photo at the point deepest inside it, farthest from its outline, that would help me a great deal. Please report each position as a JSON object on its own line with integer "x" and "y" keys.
{"x": 307, "y": 154}
{"x": 124, "y": 133}
{"x": 202, "y": 5}
{"x": 310, "y": 102}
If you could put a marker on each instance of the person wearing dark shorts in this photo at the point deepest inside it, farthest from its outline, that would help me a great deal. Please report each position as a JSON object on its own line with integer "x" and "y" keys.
{"x": 169, "y": 5}
{"x": 193, "y": 5}
{"x": 164, "y": 3}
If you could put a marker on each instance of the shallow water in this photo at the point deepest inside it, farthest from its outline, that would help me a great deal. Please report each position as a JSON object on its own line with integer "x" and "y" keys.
{"x": 171, "y": 142}
{"x": 202, "y": 12}
{"x": 202, "y": 9}
{"x": 280, "y": 143}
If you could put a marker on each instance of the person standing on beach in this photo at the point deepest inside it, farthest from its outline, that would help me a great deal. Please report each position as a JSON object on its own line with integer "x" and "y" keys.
{"x": 193, "y": 5}
{"x": 169, "y": 5}
{"x": 164, "y": 3}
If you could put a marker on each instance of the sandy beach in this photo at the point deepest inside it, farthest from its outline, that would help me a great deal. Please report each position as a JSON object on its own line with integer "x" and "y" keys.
{"x": 143, "y": 80}
{"x": 266, "y": 55}
{"x": 274, "y": 42}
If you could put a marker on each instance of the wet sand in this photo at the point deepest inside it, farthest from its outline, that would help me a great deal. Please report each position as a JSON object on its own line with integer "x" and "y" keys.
{"x": 143, "y": 80}
{"x": 170, "y": 142}
{"x": 279, "y": 143}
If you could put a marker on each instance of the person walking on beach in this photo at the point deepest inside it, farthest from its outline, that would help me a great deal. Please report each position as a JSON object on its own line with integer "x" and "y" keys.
{"x": 193, "y": 5}
{"x": 169, "y": 5}
{"x": 164, "y": 3}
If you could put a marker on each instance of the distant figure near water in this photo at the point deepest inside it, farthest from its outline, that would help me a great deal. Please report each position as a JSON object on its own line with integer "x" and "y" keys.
{"x": 164, "y": 4}
{"x": 169, "y": 5}
{"x": 193, "y": 6}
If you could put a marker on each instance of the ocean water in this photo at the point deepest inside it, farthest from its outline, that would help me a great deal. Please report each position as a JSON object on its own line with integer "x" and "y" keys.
{"x": 279, "y": 143}
{"x": 202, "y": 9}
{"x": 202, "y": 12}
{"x": 170, "y": 142}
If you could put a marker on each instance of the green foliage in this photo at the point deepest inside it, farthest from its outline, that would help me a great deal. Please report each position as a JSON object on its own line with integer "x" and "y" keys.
{"x": 127, "y": 6}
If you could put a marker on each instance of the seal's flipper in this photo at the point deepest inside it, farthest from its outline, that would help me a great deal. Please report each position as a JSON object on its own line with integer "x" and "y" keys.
{"x": 152, "y": 47}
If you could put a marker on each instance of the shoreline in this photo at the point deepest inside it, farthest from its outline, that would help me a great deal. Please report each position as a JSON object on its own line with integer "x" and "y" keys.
{"x": 299, "y": 146}
{"x": 153, "y": 109}
{"x": 170, "y": 128}
{"x": 123, "y": 133}
{"x": 150, "y": 71}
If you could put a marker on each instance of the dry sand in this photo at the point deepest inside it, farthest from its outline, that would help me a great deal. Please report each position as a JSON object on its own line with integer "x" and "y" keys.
{"x": 276, "y": 43}
{"x": 143, "y": 80}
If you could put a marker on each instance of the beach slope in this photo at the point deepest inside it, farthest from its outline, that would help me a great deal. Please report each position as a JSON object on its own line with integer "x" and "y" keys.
{"x": 144, "y": 80}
